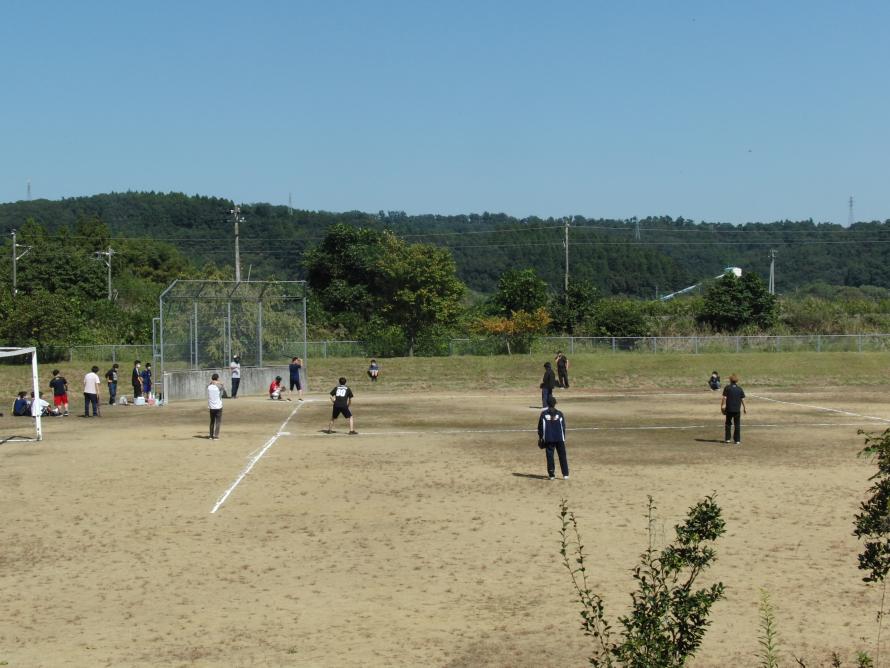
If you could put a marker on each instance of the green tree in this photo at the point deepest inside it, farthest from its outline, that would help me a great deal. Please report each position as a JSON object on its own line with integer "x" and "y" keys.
{"x": 368, "y": 280}
{"x": 732, "y": 303}
{"x": 573, "y": 308}
{"x": 620, "y": 318}
{"x": 520, "y": 290}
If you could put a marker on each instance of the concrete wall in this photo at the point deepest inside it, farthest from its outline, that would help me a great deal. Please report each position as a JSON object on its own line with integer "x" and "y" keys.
{"x": 192, "y": 383}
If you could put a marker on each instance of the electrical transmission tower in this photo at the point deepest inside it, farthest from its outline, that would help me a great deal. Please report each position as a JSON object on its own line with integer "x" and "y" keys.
{"x": 850, "y": 216}
{"x": 637, "y": 229}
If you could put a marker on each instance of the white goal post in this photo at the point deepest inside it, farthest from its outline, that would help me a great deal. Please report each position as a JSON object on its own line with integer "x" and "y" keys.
{"x": 7, "y": 351}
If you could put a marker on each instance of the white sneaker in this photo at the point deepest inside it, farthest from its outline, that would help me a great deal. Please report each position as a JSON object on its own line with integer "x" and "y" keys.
{"x": 565, "y": 477}
{"x": 727, "y": 441}
{"x": 553, "y": 477}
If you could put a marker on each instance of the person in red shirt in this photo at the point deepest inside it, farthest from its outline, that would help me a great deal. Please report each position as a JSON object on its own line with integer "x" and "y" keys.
{"x": 277, "y": 390}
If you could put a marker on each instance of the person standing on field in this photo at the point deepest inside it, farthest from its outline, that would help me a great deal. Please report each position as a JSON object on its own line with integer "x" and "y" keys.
{"x": 136, "y": 379}
{"x": 552, "y": 436}
{"x": 146, "y": 380}
{"x": 214, "y": 403}
{"x": 547, "y": 384}
{"x": 235, "y": 368}
{"x": 562, "y": 370}
{"x": 60, "y": 392}
{"x": 732, "y": 405}
{"x": 111, "y": 378}
{"x": 91, "y": 383}
{"x": 296, "y": 364}
{"x": 341, "y": 397}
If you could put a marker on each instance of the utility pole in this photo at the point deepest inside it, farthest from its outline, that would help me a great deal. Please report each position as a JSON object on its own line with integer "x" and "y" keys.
{"x": 106, "y": 257}
{"x": 237, "y": 218}
{"x": 566, "y": 244}
{"x": 772, "y": 271}
{"x": 29, "y": 190}
{"x": 15, "y": 258}
{"x": 850, "y": 217}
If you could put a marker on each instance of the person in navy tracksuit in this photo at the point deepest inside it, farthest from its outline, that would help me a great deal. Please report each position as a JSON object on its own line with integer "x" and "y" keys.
{"x": 552, "y": 436}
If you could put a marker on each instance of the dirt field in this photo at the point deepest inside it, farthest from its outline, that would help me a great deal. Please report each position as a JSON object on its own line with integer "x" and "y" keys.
{"x": 429, "y": 539}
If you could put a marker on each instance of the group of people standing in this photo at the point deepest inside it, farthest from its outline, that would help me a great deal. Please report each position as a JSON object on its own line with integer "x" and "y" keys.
{"x": 553, "y": 380}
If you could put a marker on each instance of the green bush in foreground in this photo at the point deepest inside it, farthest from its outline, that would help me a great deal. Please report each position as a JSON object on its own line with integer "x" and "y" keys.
{"x": 669, "y": 617}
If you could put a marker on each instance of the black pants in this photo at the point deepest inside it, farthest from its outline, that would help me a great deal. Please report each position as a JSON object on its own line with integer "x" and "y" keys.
{"x": 563, "y": 459}
{"x": 563, "y": 377}
{"x": 137, "y": 391}
{"x": 295, "y": 384}
{"x": 90, "y": 400}
{"x": 215, "y": 422}
{"x": 235, "y": 383}
{"x": 546, "y": 393}
{"x": 736, "y": 419}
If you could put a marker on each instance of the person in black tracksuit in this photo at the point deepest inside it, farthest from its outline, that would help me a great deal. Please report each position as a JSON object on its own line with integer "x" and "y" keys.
{"x": 547, "y": 384}
{"x": 552, "y": 436}
{"x": 732, "y": 404}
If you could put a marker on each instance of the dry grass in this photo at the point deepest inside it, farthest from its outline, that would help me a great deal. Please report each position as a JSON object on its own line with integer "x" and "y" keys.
{"x": 430, "y": 539}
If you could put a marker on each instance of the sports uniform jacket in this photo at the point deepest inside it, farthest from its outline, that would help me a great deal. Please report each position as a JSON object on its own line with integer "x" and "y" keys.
{"x": 552, "y": 427}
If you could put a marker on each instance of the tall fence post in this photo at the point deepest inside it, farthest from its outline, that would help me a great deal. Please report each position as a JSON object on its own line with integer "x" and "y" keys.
{"x": 613, "y": 344}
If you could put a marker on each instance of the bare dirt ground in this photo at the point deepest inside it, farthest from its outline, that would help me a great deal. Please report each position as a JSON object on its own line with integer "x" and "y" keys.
{"x": 429, "y": 539}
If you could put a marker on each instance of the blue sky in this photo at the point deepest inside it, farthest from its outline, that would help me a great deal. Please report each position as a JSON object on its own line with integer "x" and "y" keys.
{"x": 736, "y": 112}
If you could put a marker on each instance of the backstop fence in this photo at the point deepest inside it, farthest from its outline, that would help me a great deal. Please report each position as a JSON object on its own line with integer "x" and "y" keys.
{"x": 203, "y": 325}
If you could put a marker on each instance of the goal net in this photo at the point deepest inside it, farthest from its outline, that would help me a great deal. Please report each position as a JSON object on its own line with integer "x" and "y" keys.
{"x": 22, "y": 429}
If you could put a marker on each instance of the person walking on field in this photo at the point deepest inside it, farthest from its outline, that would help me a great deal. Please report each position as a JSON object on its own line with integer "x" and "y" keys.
{"x": 214, "y": 403}
{"x": 547, "y": 384}
{"x": 562, "y": 370}
{"x": 732, "y": 405}
{"x": 296, "y": 364}
{"x": 235, "y": 368}
{"x": 111, "y": 378}
{"x": 91, "y": 383}
{"x": 552, "y": 436}
{"x": 341, "y": 397}
{"x": 60, "y": 392}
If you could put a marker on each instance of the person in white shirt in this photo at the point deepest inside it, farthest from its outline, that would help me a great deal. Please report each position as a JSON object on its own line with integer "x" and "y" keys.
{"x": 91, "y": 392}
{"x": 235, "y": 368}
{"x": 214, "y": 403}
{"x": 40, "y": 406}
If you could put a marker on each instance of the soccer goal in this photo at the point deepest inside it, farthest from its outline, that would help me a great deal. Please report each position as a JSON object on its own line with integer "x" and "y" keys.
{"x": 23, "y": 427}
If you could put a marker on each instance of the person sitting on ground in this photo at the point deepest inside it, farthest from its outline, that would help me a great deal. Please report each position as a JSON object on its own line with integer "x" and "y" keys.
{"x": 40, "y": 406}
{"x": 373, "y": 371}
{"x": 714, "y": 381}
{"x": 21, "y": 407}
{"x": 277, "y": 390}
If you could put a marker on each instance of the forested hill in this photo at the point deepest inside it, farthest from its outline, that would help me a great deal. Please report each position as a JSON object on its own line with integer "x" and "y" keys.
{"x": 669, "y": 254}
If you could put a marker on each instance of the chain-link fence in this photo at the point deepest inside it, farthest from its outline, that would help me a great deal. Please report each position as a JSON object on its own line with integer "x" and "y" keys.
{"x": 282, "y": 352}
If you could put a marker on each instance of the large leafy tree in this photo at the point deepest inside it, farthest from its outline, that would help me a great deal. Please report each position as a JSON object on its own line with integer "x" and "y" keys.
{"x": 732, "y": 303}
{"x": 574, "y": 307}
{"x": 363, "y": 277}
{"x": 520, "y": 290}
